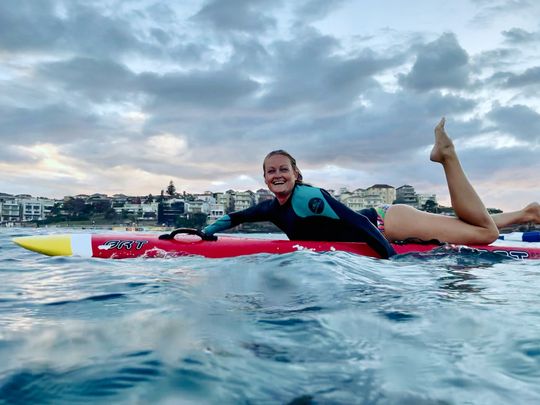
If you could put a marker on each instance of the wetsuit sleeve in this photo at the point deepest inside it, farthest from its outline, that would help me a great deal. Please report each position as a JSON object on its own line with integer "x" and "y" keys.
{"x": 256, "y": 213}
{"x": 372, "y": 235}
{"x": 221, "y": 224}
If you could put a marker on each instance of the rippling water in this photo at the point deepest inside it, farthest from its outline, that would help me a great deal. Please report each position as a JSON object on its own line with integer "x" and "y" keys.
{"x": 302, "y": 328}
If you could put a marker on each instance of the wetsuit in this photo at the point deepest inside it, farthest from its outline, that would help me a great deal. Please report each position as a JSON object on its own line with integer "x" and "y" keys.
{"x": 311, "y": 214}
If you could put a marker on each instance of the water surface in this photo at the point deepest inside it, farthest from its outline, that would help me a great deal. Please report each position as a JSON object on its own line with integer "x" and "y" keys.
{"x": 303, "y": 328}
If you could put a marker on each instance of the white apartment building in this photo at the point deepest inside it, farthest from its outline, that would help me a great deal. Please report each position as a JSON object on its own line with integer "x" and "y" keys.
{"x": 9, "y": 210}
{"x": 386, "y": 192}
{"x": 225, "y": 199}
{"x": 216, "y": 211}
{"x": 355, "y": 203}
{"x": 25, "y": 209}
{"x": 243, "y": 200}
{"x": 197, "y": 206}
{"x": 373, "y": 196}
{"x": 206, "y": 197}
{"x": 31, "y": 210}
{"x": 345, "y": 194}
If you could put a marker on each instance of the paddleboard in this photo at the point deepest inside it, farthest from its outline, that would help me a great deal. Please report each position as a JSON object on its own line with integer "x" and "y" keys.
{"x": 531, "y": 236}
{"x": 189, "y": 242}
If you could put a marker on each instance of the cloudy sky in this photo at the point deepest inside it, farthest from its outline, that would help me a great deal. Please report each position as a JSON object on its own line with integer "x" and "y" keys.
{"x": 124, "y": 96}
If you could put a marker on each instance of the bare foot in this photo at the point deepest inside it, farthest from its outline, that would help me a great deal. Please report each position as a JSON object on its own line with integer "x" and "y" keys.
{"x": 443, "y": 147}
{"x": 532, "y": 211}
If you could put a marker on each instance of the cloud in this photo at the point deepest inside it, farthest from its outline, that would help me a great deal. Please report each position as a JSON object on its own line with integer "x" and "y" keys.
{"x": 42, "y": 26}
{"x": 97, "y": 79}
{"x": 490, "y": 10}
{"x": 237, "y": 15}
{"x": 499, "y": 58}
{"x": 520, "y": 36}
{"x": 310, "y": 71}
{"x": 529, "y": 77}
{"x": 520, "y": 121}
{"x": 314, "y": 10}
{"x": 29, "y": 26}
{"x": 442, "y": 63}
{"x": 200, "y": 91}
{"x": 53, "y": 123}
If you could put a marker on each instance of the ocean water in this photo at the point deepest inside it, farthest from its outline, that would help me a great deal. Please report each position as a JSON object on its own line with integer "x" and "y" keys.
{"x": 300, "y": 328}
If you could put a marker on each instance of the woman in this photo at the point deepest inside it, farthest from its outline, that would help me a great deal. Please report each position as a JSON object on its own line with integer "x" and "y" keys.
{"x": 303, "y": 212}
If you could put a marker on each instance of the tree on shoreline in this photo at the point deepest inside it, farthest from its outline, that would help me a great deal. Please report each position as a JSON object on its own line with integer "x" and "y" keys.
{"x": 171, "y": 189}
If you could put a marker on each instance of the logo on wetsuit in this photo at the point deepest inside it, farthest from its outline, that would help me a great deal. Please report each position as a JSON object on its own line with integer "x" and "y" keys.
{"x": 316, "y": 205}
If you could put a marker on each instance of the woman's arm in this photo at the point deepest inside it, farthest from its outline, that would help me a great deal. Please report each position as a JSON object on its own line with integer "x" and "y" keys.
{"x": 221, "y": 224}
{"x": 257, "y": 213}
{"x": 365, "y": 227}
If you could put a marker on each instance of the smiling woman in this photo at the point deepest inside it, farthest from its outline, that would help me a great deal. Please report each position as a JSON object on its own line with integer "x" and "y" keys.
{"x": 304, "y": 212}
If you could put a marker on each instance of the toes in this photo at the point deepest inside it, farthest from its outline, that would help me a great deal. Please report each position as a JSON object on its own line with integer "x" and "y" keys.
{"x": 440, "y": 125}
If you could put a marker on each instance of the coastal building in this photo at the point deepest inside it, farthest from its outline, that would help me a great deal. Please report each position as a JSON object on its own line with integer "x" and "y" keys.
{"x": 170, "y": 210}
{"x": 216, "y": 211}
{"x": 24, "y": 208}
{"x": 149, "y": 211}
{"x": 386, "y": 193}
{"x": 197, "y": 207}
{"x": 34, "y": 209}
{"x": 263, "y": 194}
{"x": 424, "y": 198}
{"x": 243, "y": 200}
{"x": 207, "y": 197}
{"x": 101, "y": 202}
{"x": 134, "y": 210}
{"x": 361, "y": 200}
{"x": 225, "y": 200}
{"x": 354, "y": 202}
{"x": 366, "y": 198}
{"x": 119, "y": 199}
{"x": 343, "y": 190}
{"x": 406, "y": 195}
{"x": 345, "y": 194}
{"x": 9, "y": 210}
{"x": 373, "y": 200}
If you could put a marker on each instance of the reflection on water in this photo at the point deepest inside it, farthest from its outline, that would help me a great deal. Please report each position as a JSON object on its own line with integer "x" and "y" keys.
{"x": 459, "y": 280}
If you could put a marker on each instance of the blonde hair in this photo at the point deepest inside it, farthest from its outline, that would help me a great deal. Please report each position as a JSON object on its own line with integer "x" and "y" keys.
{"x": 299, "y": 178}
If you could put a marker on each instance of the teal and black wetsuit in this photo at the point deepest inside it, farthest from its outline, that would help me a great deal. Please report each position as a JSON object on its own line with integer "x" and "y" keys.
{"x": 311, "y": 214}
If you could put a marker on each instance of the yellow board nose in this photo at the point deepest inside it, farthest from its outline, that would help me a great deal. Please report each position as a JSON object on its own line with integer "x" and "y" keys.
{"x": 51, "y": 245}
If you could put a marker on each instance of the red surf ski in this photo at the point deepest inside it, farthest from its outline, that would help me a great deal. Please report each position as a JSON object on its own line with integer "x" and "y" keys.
{"x": 129, "y": 245}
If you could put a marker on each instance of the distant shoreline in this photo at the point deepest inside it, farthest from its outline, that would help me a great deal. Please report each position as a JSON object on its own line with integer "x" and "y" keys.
{"x": 244, "y": 228}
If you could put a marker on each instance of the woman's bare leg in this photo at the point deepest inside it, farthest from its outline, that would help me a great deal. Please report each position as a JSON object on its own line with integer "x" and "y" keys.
{"x": 529, "y": 214}
{"x": 473, "y": 223}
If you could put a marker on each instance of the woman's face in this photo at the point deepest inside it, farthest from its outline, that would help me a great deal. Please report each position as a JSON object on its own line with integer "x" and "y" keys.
{"x": 279, "y": 175}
